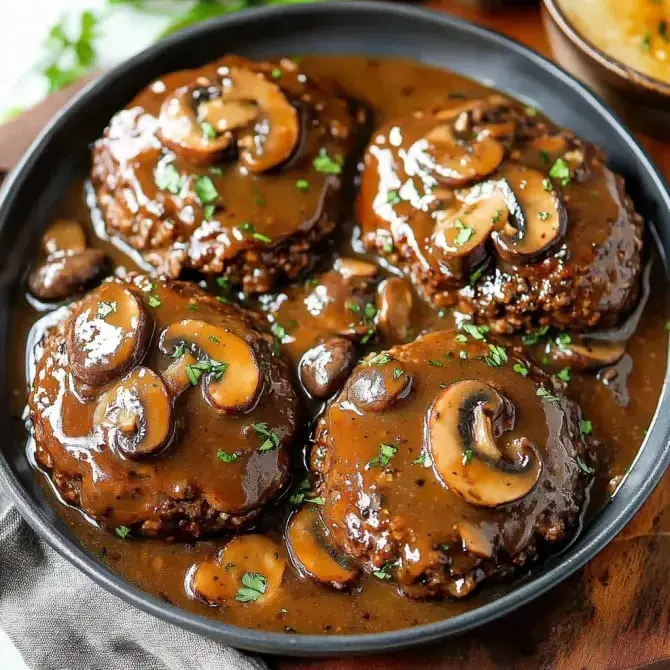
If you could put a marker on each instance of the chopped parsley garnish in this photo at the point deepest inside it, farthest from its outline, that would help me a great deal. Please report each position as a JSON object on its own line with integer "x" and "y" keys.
{"x": 563, "y": 339}
{"x": 216, "y": 170}
{"x": 262, "y": 238}
{"x": 205, "y": 190}
{"x": 276, "y": 73}
{"x": 386, "y": 453}
{"x": 423, "y": 459}
{"x": 461, "y": 338}
{"x": 467, "y": 456}
{"x": 228, "y": 457}
{"x": 318, "y": 500}
{"x": 194, "y": 372}
{"x": 253, "y": 587}
{"x": 435, "y": 363}
{"x": 154, "y": 301}
{"x": 444, "y": 547}
{"x": 564, "y": 375}
{"x": 353, "y": 307}
{"x": 384, "y": 572}
{"x": 534, "y": 338}
{"x": 544, "y": 157}
{"x": 167, "y": 177}
{"x": 586, "y": 469}
{"x": 397, "y": 373}
{"x": 259, "y": 200}
{"x": 208, "y": 212}
{"x": 192, "y": 306}
{"x": 303, "y": 490}
{"x": 645, "y": 44}
{"x": 392, "y": 197}
{"x": 123, "y": 531}
{"x": 475, "y": 276}
{"x": 278, "y": 331}
{"x": 543, "y": 216}
{"x": 208, "y": 130}
{"x": 496, "y": 217}
{"x": 106, "y": 308}
{"x": 382, "y": 358}
{"x": 545, "y": 394}
{"x": 476, "y": 332}
{"x": 585, "y": 427}
{"x": 369, "y": 312}
{"x": 325, "y": 164}
{"x": 270, "y": 439}
{"x": 546, "y": 184}
{"x": 247, "y": 227}
{"x": 387, "y": 247}
{"x": 463, "y": 355}
{"x": 368, "y": 336}
{"x": 464, "y": 233}
{"x": 302, "y": 185}
{"x": 560, "y": 170}
{"x": 214, "y": 339}
{"x": 497, "y": 357}
{"x": 531, "y": 111}
{"x": 179, "y": 350}
{"x": 520, "y": 369}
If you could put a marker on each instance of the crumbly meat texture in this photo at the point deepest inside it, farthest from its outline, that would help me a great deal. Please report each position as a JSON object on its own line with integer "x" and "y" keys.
{"x": 385, "y": 504}
{"x": 588, "y": 279}
{"x": 259, "y": 227}
{"x": 189, "y": 489}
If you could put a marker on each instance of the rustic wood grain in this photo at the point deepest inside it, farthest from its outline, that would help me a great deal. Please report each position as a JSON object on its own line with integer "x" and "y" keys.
{"x": 614, "y": 614}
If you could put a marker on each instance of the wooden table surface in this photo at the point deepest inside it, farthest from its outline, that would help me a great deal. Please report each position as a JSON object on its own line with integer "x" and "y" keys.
{"x": 615, "y": 613}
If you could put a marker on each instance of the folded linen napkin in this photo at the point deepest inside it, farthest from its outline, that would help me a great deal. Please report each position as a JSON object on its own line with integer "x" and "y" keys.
{"x": 59, "y": 619}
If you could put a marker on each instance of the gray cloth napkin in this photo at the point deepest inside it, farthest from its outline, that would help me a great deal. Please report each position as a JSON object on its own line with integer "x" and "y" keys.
{"x": 59, "y": 619}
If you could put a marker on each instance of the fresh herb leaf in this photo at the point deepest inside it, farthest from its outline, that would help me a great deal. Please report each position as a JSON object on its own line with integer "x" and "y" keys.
{"x": 302, "y": 185}
{"x": 585, "y": 427}
{"x": 533, "y": 338}
{"x": 543, "y": 216}
{"x": 208, "y": 212}
{"x": 464, "y": 233}
{"x": 397, "y": 373}
{"x": 467, "y": 456}
{"x": 208, "y": 130}
{"x": 497, "y": 357}
{"x": 368, "y": 336}
{"x": 475, "y": 276}
{"x": 476, "y": 332}
{"x": 269, "y": 439}
{"x": 179, "y": 351}
{"x": 369, "y": 311}
{"x": 253, "y": 587}
{"x": 384, "y": 573}
{"x": 435, "y": 363}
{"x": 276, "y": 73}
{"x": 226, "y": 457}
{"x": 205, "y": 190}
{"x": 545, "y": 394}
{"x": 645, "y": 44}
{"x": 167, "y": 177}
{"x": 392, "y": 197}
{"x": 386, "y": 453}
{"x": 520, "y": 369}
{"x": 586, "y": 469}
{"x": 560, "y": 170}
{"x": 325, "y": 164}
{"x": 122, "y": 531}
{"x": 154, "y": 301}
{"x": 423, "y": 459}
{"x": 564, "y": 375}
{"x": 106, "y": 308}
{"x": 546, "y": 185}
{"x": 278, "y": 331}
{"x": 382, "y": 358}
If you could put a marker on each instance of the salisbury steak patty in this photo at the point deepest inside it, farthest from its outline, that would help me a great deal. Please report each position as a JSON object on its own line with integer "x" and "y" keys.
{"x": 491, "y": 208}
{"x": 233, "y": 169}
{"x": 446, "y": 461}
{"x": 161, "y": 411}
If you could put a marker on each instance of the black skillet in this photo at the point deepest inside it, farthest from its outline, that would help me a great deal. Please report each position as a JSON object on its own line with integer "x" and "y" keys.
{"x": 61, "y": 151}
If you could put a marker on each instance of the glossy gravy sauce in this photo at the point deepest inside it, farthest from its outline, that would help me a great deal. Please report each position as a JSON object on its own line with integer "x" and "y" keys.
{"x": 619, "y": 402}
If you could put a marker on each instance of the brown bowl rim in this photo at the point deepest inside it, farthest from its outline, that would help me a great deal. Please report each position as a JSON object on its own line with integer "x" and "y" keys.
{"x": 596, "y": 53}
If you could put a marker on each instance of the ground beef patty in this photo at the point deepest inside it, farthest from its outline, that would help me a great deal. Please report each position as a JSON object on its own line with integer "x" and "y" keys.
{"x": 160, "y": 411}
{"x": 447, "y": 461}
{"x": 492, "y": 209}
{"x": 232, "y": 169}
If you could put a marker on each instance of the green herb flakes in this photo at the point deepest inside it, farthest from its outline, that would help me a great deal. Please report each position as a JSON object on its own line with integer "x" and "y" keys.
{"x": 564, "y": 375}
{"x": 205, "y": 190}
{"x": 326, "y": 165}
{"x": 392, "y": 197}
{"x": 520, "y": 369}
{"x": 228, "y": 457}
{"x": 106, "y": 308}
{"x": 269, "y": 438}
{"x": 122, "y": 531}
{"x": 435, "y": 363}
{"x": 386, "y": 453}
{"x": 497, "y": 357}
{"x": 467, "y": 456}
{"x": 585, "y": 427}
{"x": 380, "y": 359}
{"x": 167, "y": 177}
{"x": 154, "y": 301}
{"x": 253, "y": 587}
{"x": 560, "y": 170}
{"x": 302, "y": 185}
{"x": 586, "y": 469}
{"x": 545, "y": 394}
{"x": 464, "y": 233}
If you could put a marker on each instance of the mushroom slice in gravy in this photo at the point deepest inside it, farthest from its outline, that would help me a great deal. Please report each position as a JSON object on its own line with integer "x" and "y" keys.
{"x": 202, "y": 120}
{"x": 249, "y": 569}
{"x": 310, "y": 550}
{"x": 586, "y": 355}
{"x": 226, "y": 362}
{"x": 108, "y": 335}
{"x": 136, "y": 414}
{"x": 465, "y": 424}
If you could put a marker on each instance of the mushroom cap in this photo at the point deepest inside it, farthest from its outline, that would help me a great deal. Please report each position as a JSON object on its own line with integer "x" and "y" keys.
{"x": 112, "y": 449}
{"x": 136, "y": 415}
{"x": 465, "y": 422}
{"x": 108, "y": 334}
{"x": 232, "y": 376}
{"x": 311, "y": 552}
{"x": 247, "y": 572}
{"x": 587, "y": 355}
{"x": 437, "y": 493}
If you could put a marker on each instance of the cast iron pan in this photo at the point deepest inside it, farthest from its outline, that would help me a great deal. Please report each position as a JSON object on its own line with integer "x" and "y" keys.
{"x": 28, "y": 197}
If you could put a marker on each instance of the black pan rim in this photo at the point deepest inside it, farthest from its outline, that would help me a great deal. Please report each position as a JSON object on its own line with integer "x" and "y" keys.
{"x": 644, "y": 474}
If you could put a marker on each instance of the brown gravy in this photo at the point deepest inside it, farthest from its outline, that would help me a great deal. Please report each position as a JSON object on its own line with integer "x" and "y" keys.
{"x": 620, "y": 407}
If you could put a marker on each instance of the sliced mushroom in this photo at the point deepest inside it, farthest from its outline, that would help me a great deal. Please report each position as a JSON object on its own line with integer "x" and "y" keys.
{"x": 67, "y": 275}
{"x": 249, "y": 569}
{"x": 324, "y": 368}
{"x": 463, "y": 425}
{"x": 537, "y": 218}
{"x": 108, "y": 335}
{"x": 353, "y": 267}
{"x": 462, "y": 236}
{"x": 64, "y": 237}
{"x": 311, "y": 552}
{"x": 588, "y": 355}
{"x": 457, "y": 163}
{"x": 203, "y": 120}
{"x": 227, "y": 364}
{"x": 376, "y": 388}
{"x": 394, "y": 305}
{"x": 474, "y": 539}
{"x": 136, "y": 415}
{"x": 176, "y": 376}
